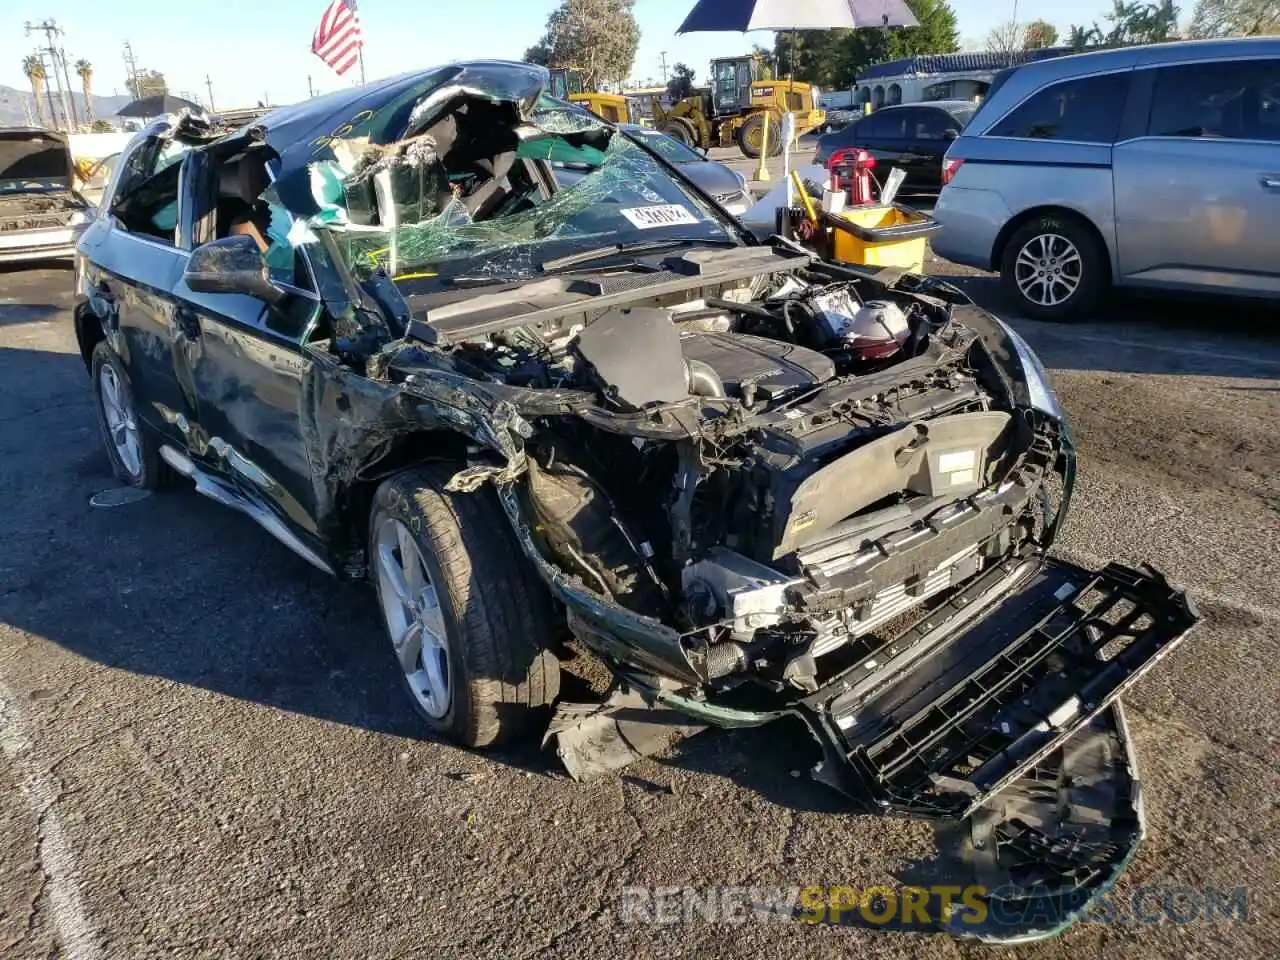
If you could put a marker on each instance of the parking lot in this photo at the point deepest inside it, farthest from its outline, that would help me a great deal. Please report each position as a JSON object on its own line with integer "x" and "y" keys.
{"x": 204, "y": 749}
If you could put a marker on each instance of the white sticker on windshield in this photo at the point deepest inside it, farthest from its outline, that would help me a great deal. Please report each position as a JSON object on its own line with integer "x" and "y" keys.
{"x": 664, "y": 215}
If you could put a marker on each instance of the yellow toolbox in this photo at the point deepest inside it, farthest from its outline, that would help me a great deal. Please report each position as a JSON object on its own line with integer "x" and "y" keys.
{"x": 880, "y": 236}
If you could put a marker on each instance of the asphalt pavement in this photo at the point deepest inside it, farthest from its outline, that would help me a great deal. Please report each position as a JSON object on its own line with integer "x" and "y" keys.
{"x": 204, "y": 750}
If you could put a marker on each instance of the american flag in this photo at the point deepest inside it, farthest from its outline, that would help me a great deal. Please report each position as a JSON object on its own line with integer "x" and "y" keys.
{"x": 337, "y": 40}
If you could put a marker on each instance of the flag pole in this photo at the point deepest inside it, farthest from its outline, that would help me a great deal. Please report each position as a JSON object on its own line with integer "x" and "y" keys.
{"x": 361, "y": 55}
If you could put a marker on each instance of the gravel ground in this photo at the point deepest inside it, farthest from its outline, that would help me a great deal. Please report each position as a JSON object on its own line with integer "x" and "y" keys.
{"x": 203, "y": 750}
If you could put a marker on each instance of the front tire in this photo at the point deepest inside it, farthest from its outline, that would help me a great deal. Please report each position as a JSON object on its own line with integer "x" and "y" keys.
{"x": 1054, "y": 268}
{"x": 131, "y": 448}
{"x": 751, "y": 135}
{"x": 469, "y": 623}
{"x": 683, "y": 131}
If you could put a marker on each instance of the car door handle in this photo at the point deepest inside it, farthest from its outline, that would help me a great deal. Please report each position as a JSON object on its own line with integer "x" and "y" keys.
{"x": 1270, "y": 181}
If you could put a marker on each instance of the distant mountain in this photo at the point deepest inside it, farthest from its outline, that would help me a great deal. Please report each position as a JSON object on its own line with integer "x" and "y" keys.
{"x": 12, "y": 101}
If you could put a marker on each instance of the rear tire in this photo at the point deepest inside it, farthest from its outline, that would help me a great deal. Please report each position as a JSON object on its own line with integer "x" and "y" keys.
{"x": 1055, "y": 268}
{"x": 494, "y": 618}
{"x": 131, "y": 447}
{"x": 751, "y": 135}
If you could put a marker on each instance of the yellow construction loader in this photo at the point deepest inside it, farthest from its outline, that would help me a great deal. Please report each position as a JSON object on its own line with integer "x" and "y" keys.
{"x": 740, "y": 101}
{"x": 566, "y": 84}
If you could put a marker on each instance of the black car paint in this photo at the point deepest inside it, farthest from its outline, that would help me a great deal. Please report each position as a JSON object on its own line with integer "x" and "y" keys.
{"x": 919, "y": 158}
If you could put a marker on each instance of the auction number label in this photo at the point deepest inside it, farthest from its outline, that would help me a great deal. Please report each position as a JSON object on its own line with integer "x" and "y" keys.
{"x": 662, "y": 215}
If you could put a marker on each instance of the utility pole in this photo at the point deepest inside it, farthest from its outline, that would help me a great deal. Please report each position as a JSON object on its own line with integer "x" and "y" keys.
{"x": 51, "y": 30}
{"x": 664, "y": 66}
{"x": 1015, "y": 30}
{"x": 38, "y": 53}
{"x": 71, "y": 93}
{"x": 131, "y": 70}
{"x": 208, "y": 83}
{"x": 311, "y": 91}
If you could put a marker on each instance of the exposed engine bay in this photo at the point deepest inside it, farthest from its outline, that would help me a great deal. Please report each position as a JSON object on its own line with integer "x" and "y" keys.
{"x": 817, "y": 493}
{"x": 38, "y": 211}
{"x": 758, "y": 455}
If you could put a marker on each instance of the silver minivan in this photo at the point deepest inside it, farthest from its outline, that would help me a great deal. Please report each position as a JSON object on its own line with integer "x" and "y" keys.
{"x": 1145, "y": 167}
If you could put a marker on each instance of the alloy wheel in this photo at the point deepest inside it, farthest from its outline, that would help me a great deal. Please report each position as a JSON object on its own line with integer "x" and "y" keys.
{"x": 1048, "y": 269}
{"x": 414, "y": 620}
{"x": 122, "y": 425}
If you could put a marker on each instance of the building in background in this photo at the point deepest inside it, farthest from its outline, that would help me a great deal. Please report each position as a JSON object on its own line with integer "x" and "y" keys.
{"x": 940, "y": 76}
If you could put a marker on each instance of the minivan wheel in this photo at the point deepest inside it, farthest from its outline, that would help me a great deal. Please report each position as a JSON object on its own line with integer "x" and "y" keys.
{"x": 469, "y": 624}
{"x": 132, "y": 450}
{"x": 1054, "y": 268}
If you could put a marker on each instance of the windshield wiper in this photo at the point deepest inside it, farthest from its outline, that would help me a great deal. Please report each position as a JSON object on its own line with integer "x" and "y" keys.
{"x": 634, "y": 246}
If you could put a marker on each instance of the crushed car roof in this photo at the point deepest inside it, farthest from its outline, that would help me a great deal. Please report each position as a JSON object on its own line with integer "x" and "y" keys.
{"x": 303, "y": 132}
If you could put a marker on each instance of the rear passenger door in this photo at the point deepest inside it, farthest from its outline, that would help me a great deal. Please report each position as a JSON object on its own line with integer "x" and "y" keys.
{"x": 857, "y": 134}
{"x": 133, "y": 257}
{"x": 1198, "y": 189}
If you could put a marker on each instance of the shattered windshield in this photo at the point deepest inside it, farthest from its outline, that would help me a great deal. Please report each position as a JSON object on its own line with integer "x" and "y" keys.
{"x": 673, "y": 150}
{"x": 476, "y": 198}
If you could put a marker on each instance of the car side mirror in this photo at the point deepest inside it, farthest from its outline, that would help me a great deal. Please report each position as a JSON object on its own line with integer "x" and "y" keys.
{"x": 706, "y": 152}
{"x": 232, "y": 265}
{"x": 951, "y": 135}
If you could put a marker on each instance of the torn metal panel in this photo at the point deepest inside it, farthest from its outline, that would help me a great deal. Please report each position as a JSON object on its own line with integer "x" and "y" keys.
{"x": 594, "y": 739}
{"x": 613, "y": 631}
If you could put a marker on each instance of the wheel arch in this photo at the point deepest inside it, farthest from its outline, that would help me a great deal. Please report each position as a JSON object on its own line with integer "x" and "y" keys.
{"x": 401, "y": 454}
{"x": 1026, "y": 216}
{"x": 89, "y": 333}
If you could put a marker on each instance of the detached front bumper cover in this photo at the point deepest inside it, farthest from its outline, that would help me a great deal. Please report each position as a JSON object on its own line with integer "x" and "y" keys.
{"x": 997, "y": 715}
{"x": 985, "y": 687}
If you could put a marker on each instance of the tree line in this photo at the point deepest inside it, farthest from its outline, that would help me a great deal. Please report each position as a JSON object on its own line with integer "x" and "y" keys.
{"x": 600, "y": 38}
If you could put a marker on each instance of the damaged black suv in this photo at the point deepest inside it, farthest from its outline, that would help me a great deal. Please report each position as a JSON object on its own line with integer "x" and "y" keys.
{"x": 753, "y": 483}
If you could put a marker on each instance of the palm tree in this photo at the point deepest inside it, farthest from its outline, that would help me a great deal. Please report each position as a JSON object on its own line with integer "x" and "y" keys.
{"x": 33, "y": 67}
{"x": 85, "y": 70}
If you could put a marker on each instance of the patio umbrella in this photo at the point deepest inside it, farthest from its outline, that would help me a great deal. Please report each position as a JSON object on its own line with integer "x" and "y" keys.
{"x": 741, "y": 16}
{"x": 157, "y": 106}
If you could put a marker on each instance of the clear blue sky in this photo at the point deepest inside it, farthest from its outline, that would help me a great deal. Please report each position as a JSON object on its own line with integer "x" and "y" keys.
{"x": 255, "y": 48}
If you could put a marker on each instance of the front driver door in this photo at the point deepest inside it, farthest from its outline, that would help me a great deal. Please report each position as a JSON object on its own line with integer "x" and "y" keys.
{"x": 246, "y": 369}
